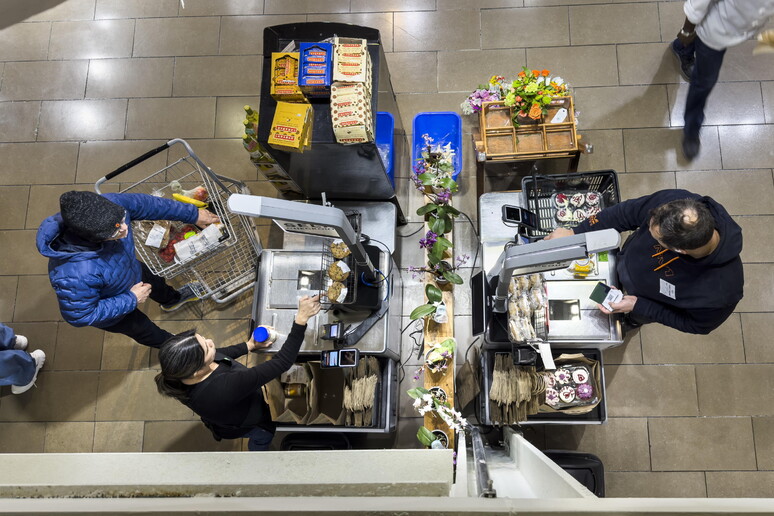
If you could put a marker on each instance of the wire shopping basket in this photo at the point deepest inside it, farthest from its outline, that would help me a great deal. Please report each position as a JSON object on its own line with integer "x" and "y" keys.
{"x": 225, "y": 267}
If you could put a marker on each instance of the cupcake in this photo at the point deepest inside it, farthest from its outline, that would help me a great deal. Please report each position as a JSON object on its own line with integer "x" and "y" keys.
{"x": 338, "y": 271}
{"x": 552, "y": 397}
{"x": 339, "y": 249}
{"x": 584, "y": 391}
{"x": 579, "y": 216}
{"x": 561, "y": 200}
{"x": 562, "y": 376}
{"x": 592, "y": 210}
{"x": 578, "y": 200}
{"x": 580, "y": 375}
{"x": 592, "y": 198}
{"x": 564, "y": 215}
{"x": 567, "y": 394}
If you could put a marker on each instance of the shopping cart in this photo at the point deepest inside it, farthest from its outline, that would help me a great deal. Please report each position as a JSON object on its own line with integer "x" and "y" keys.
{"x": 223, "y": 269}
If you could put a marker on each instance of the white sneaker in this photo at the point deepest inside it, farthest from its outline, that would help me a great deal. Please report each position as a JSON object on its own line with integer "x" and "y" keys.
{"x": 40, "y": 359}
{"x": 21, "y": 342}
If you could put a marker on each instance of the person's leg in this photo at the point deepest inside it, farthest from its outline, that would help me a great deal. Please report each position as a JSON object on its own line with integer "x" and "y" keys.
{"x": 7, "y": 337}
{"x": 259, "y": 439}
{"x": 706, "y": 70}
{"x": 16, "y": 367}
{"x": 160, "y": 291}
{"x": 138, "y": 326}
{"x": 685, "y": 57}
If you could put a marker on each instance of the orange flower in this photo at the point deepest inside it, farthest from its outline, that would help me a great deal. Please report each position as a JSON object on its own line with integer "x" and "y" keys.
{"x": 535, "y": 112}
{"x": 522, "y": 74}
{"x": 546, "y": 73}
{"x": 536, "y": 73}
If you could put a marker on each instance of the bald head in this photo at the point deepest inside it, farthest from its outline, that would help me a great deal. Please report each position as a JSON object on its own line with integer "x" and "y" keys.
{"x": 683, "y": 224}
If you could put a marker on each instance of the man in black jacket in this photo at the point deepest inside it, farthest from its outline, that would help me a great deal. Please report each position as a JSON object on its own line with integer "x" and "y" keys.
{"x": 681, "y": 266}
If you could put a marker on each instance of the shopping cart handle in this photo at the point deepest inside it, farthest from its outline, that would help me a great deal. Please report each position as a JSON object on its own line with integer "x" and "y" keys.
{"x": 127, "y": 166}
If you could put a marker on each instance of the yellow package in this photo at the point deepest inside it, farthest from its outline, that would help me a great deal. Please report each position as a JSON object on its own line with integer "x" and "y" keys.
{"x": 291, "y": 127}
{"x": 284, "y": 76}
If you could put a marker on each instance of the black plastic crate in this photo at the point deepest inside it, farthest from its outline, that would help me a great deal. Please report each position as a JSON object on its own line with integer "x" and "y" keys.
{"x": 539, "y": 191}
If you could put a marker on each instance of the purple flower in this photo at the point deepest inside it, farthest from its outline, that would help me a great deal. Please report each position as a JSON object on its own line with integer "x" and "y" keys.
{"x": 429, "y": 240}
{"x": 443, "y": 196}
{"x": 462, "y": 260}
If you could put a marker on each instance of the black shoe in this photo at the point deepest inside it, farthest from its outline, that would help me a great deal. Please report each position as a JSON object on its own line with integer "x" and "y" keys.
{"x": 187, "y": 294}
{"x": 691, "y": 146}
{"x": 685, "y": 64}
{"x": 628, "y": 325}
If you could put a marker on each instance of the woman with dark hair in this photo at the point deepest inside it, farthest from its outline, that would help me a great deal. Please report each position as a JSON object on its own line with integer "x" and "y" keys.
{"x": 223, "y": 392}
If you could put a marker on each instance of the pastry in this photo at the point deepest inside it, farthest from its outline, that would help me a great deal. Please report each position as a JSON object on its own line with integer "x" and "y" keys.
{"x": 578, "y": 215}
{"x": 537, "y": 299}
{"x": 584, "y": 391}
{"x": 561, "y": 200}
{"x": 562, "y": 376}
{"x": 567, "y": 394}
{"x": 592, "y": 198}
{"x": 523, "y": 302}
{"x": 580, "y": 375}
{"x": 564, "y": 215}
{"x": 522, "y": 282}
{"x": 549, "y": 380}
{"x": 535, "y": 280}
{"x": 592, "y": 210}
{"x": 577, "y": 200}
{"x": 338, "y": 271}
{"x": 336, "y": 292}
{"x": 552, "y": 397}
{"x": 339, "y": 249}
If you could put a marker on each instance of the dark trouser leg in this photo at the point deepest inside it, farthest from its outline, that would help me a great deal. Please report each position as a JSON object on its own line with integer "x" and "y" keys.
{"x": 138, "y": 326}
{"x": 259, "y": 439}
{"x": 704, "y": 78}
{"x": 161, "y": 293}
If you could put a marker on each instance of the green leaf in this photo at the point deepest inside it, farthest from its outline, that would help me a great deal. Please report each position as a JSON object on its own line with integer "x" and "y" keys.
{"x": 445, "y": 242}
{"x": 434, "y": 260}
{"x": 425, "y": 436}
{"x": 436, "y": 252}
{"x": 427, "y": 208}
{"x": 438, "y": 226}
{"x": 448, "y": 225}
{"x": 447, "y": 182}
{"x": 422, "y": 311}
{"x": 453, "y": 277}
{"x": 417, "y": 392}
{"x": 449, "y": 344}
{"x": 427, "y": 178}
{"x": 434, "y": 294}
{"x": 451, "y": 210}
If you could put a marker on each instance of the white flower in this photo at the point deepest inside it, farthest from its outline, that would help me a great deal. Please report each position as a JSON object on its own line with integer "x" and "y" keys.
{"x": 427, "y": 397}
{"x": 559, "y": 81}
{"x": 417, "y": 402}
{"x": 466, "y": 109}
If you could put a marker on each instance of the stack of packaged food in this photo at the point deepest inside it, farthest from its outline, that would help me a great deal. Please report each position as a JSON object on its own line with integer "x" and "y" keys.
{"x": 351, "y": 92}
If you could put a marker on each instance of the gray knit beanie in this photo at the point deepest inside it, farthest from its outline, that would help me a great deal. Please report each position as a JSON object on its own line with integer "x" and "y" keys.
{"x": 90, "y": 216}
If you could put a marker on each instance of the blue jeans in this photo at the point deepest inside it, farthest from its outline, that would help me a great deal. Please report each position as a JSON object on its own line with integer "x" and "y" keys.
{"x": 16, "y": 367}
{"x": 260, "y": 439}
{"x": 705, "y": 74}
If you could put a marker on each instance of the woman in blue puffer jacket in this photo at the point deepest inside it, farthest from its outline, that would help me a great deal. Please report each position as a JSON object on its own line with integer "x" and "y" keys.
{"x": 92, "y": 266}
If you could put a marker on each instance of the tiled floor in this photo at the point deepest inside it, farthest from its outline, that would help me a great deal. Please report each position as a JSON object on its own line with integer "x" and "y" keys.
{"x": 90, "y": 84}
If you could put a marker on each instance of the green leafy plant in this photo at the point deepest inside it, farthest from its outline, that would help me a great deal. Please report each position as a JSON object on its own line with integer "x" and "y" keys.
{"x": 434, "y": 298}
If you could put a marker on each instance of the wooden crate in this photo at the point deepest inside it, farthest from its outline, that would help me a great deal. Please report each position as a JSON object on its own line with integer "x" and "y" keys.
{"x": 503, "y": 141}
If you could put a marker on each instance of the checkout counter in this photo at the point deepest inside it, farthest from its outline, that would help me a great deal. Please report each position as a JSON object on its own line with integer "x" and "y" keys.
{"x": 284, "y": 275}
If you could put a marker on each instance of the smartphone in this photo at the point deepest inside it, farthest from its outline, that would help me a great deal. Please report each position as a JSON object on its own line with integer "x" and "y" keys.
{"x": 517, "y": 215}
{"x": 339, "y": 358}
{"x": 604, "y": 295}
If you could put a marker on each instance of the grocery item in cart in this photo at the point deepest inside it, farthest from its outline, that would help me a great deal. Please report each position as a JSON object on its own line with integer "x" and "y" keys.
{"x": 339, "y": 249}
{"x": 572, "y": 208}
{"x": 338, "y": 271}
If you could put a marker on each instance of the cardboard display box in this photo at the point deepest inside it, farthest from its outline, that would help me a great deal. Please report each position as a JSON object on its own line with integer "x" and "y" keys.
{"x": 291, "y": 128}
{"x": 316, "y": 69}
{"x": 351, "y": 61}
{"x": 285, "y": 67}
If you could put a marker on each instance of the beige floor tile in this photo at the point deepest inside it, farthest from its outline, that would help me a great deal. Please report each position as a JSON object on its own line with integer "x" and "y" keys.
{"x": 41, "y": 335}
{"x": 118, "y": 436}
{"x": 25, "y": 42}
{"x": 740, "y": 65}
{"x": 579, "y": 66}
{"x": 411, "y": 104}
{"x": 78, "y": 349}
{"x": 647, "y": 63}
{"x": 747, "y": 146}
{"x": 464, "y": 71}
{"x": 36, "y": 300}
{"x": 723, "y": 186}
{"x": 446, "y": 5}
{"x": 757, "y": 337}
{"x": 214, "y": 76}
{"x": 225, "y": 157}
{"x": 221, "y": 7}
{"x": 763, "y": 429}
{"x": 229, "y": 115}
{"x": 36, "y": 80}
{"x": 608, "y": 151}
{"x": 621, "y": 444}
{"x": 634, "y": 390}
{"x": 96, "y": 159}
{"x": 59, "y": 396}
{"x": 629, "y": 23}
{"x": 82, "y": 120}
{"x": 756, "y": 231}
{"x": 171, "y": 118}
{"x": 681, "y": 444}
{"x": 91, "y": 39}
{"x": 8, "y": 286}
{"x": 176, "y": 36}
{"x": 498, "y": 27}
{"x": 653, "y": 150}
{"x": 623, "y": 106}
{"x": 768, "y": 101}
{"x": 636, "y": 185}
{"x": 14, "y": 206}
{"x": 19, "y": 121}
{"x": 132, "y": 395}
{"x": 722, "y": 106}
{"x": 655, "y": 484}
{"x": 69, "y": 437}
{"x": 378, "y": 20}
{"x": 757, "y": 288}
{"x": 630, "y": 352}
{"x": 391, "y": 5}
{"x": 663, "y": 345}
{"x": 739, "y": 484}
{"x": 44, "y": 202}
{"x": 114, "y": 78}
{"x": 69, "y": 10}
{"x": 414, "y": 72}
{"x": 244, "y": 34}
{"x": 183, "y": 436}
{"x": 22, "y": 437}
{"x": 53, "y": 163}
{"x": 26, "y": 260}
{"x": 671, "y": 17}
{"x": 418, "y": 31}
{"x": 728, "y": 390}
{"x": 305, "y": 6}
{"x": 116, "y": 9}
{"x": 122, "y": 353}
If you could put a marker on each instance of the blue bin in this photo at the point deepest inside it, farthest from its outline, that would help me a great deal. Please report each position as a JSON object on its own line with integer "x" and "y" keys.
{"x": 443, "y": 127}
{"x": 385, "y": 127}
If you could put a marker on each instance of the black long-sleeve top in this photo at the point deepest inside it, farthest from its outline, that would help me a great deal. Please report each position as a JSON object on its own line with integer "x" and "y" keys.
{"x": 230, "y": 398}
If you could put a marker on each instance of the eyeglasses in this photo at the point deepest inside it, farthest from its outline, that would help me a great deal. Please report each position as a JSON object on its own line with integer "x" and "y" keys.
{"x": 118, "y": 225}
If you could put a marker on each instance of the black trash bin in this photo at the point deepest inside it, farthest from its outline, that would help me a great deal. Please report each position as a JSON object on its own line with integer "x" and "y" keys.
{"x": 586, "y": 468}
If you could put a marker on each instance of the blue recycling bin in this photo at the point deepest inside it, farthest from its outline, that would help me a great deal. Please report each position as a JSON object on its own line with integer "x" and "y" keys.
{"x": 385, "y": 128}
{"x": 443, "y": 127}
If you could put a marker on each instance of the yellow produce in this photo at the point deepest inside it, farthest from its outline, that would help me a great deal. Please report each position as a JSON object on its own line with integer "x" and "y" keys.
{"x": 189, "y": 200}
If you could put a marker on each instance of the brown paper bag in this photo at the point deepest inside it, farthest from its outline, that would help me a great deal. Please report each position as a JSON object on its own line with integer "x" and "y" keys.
{"x": 595, "y": 380}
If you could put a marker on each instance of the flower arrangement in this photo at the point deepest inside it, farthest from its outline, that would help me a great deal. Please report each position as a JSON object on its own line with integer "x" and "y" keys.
{"x": 438, "y": 357}
{"x": 491, "y": 92}
{"x": 426, "y": 401}
{"x": 432, "y": 176}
